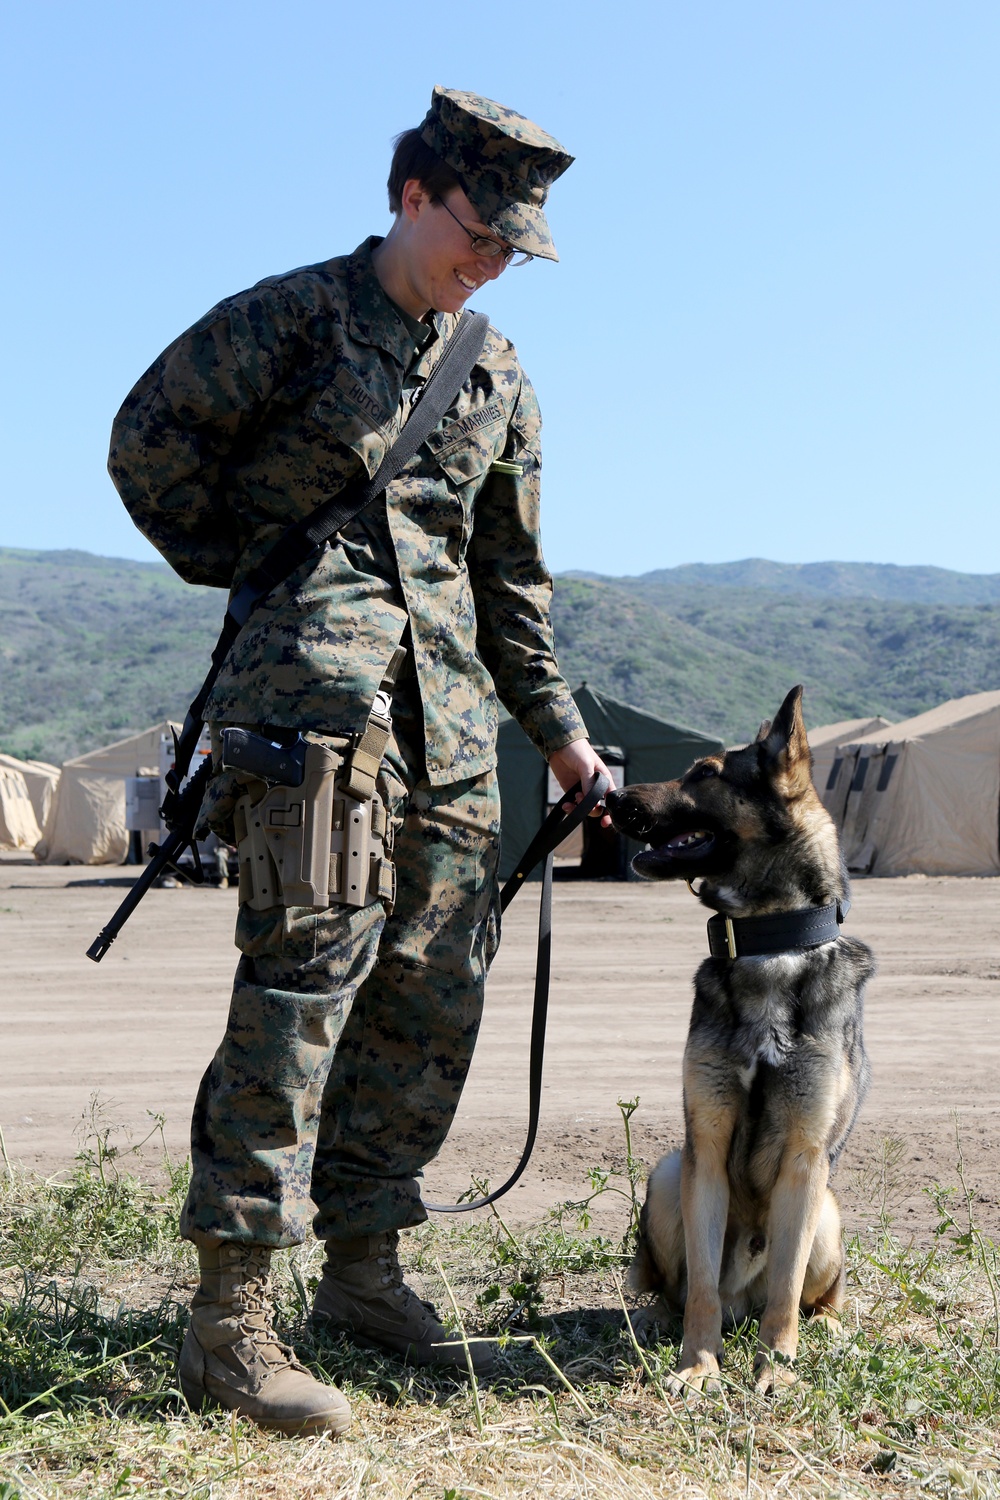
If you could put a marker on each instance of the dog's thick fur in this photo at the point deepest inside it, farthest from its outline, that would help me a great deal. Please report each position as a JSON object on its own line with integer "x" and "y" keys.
{"x": 742, "y": 1219}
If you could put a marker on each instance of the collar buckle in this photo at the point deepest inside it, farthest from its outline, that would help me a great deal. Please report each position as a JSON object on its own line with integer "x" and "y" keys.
{"x": 730, "y": 937}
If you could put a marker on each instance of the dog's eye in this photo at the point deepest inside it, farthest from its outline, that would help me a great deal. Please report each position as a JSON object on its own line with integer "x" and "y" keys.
{"x": 702, "y": 773}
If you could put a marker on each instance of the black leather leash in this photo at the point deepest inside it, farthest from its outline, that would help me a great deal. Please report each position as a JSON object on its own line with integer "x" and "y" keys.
{"x": 782, "y": 932}
{"x": 301, "y": 540}
{"x": 548, "y": 838}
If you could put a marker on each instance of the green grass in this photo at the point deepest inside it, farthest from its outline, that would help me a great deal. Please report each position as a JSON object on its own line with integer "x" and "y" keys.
{"x": 95, "y": 1284}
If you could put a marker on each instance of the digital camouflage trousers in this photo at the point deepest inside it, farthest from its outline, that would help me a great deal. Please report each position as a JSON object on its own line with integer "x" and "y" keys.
{"x": 350, "y": 1033}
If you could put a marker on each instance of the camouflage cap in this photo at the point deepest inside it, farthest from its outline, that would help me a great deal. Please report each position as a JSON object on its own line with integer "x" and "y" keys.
{"x": 506, "y": 164}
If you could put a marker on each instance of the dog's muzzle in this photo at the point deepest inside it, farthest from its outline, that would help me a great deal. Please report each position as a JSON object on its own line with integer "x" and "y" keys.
{"x": 629, "y": 817}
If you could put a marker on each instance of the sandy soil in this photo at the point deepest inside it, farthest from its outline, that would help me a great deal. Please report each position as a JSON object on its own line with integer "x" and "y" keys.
{"x": 140, "y": 1028}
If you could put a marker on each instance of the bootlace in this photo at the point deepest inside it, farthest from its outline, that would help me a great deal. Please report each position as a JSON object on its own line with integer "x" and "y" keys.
{"x": 388, "y": 1258}
{"x": 393, "y": 1278}
{"x": 252, "y": 1305}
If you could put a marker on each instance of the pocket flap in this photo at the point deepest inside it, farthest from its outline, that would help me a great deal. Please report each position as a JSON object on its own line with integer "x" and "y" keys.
{"x": 465, "y": 449}
{"x": 345, "y": 422}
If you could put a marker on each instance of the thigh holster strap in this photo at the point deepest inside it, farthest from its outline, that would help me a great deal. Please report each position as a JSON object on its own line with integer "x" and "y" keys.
{"x": 365, "y": 758}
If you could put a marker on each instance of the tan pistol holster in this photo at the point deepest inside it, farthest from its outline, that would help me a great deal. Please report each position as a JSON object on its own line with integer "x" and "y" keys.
{"x": 329, "y": 840}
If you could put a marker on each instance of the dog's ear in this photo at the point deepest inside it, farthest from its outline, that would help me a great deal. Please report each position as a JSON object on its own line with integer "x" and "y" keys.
{"x": 786, "y": 748}
{"x": 763, "y": 731}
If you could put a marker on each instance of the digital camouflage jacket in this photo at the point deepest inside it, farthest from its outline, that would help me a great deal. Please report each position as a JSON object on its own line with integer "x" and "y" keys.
{"x": 270, "y": 404}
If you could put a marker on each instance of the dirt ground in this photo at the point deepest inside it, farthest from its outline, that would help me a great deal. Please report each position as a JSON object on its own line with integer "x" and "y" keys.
{"x": 140, "y": 1028}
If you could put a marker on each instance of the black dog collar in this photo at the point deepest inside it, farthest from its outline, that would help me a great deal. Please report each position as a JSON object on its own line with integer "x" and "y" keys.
{"x": 786, "y": 932}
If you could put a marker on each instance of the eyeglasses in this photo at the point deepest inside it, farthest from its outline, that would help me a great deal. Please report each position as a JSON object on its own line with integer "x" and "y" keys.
{"x": 482, "y": 245}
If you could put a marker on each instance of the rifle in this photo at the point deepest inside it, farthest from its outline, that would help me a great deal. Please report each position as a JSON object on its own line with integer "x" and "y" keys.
{"x": 183, "y": 822}
{"x": 296, "y": 545}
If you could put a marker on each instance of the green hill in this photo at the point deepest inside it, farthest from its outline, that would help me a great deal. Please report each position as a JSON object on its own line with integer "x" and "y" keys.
{"x": 721, "y": 657}
{"x": 836, "y": 580}
{"x": 94, "y": 647}
{"x": 624, "y": 645}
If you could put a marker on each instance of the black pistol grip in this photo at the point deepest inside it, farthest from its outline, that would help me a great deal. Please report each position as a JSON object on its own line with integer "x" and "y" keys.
{"x": 254, "y": 755}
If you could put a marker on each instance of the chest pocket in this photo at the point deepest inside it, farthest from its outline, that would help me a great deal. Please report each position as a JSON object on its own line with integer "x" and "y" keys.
{"x": 465, "y": 449}
{"x": 348, "y": 427}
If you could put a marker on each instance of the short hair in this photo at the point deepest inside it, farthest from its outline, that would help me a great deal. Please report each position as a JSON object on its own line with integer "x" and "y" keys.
{"x": 412, "y": 157}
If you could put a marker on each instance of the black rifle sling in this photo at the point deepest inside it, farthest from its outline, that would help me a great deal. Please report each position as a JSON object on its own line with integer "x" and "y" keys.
{"x": 300, "y": 541}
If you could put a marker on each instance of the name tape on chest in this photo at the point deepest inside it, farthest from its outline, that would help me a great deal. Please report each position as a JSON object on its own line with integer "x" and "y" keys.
{"x": 362, "y": 399}
{"x": 473, "y": 424}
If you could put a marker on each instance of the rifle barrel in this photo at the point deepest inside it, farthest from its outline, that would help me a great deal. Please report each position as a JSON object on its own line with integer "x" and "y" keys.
{"x": 168, "y": 852}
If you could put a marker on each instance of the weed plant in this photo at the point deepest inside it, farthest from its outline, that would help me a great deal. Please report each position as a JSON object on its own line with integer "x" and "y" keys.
{"x": 95, "y": 1284}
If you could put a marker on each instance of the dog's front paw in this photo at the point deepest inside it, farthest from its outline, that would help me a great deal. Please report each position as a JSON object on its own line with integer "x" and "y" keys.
{"x": 695, "y": 1376}
{"x": 772, "y": 1371}
{"x": 643, "y": 1321}
{"x": 829, "y": 1323}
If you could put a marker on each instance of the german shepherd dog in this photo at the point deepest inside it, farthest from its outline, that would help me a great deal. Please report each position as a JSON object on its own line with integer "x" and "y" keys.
{"x": 741, "y": 1220}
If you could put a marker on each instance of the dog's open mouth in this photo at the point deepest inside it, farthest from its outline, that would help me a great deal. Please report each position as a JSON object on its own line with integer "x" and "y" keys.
{"x": 700, "y": 841}
{"x": 663, "y": 860}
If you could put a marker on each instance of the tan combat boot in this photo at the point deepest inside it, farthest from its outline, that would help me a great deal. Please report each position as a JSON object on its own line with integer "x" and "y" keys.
{"x": 362, "y": 1293}
{"x": 231, "y": 1356}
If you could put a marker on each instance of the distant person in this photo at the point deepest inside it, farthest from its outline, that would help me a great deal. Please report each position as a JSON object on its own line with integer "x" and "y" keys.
{"x": 352, "y": 1027}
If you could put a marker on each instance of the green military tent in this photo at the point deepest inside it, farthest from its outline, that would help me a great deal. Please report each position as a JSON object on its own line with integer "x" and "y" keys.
{"x": 637, "y": 746}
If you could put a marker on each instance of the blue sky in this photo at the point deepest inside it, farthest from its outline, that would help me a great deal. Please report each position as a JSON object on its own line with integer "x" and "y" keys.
{"x": 776, "y": 323}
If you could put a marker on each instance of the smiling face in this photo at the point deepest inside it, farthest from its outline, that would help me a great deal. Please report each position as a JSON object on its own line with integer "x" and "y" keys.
{"x": 427, "y": 260}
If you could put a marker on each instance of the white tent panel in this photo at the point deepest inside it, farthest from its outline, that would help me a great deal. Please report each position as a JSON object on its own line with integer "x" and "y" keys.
{"x": 86, "y": 822}
{"x": 18, "y": 825}
{"x": 949, "y": 791}
{"x": 924, "y": 796}
{"x": 91, "y": 829}
{"x": 844, "y": 730}
{"x": 824, "y": 739}
{"x": 41, "y": 780}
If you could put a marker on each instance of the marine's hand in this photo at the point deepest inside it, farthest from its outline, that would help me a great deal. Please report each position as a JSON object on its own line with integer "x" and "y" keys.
{"x": 580, "y": 762}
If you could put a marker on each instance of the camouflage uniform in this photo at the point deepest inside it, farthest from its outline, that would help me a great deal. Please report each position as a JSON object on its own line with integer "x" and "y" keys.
{"x": 345, "y": 1024}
